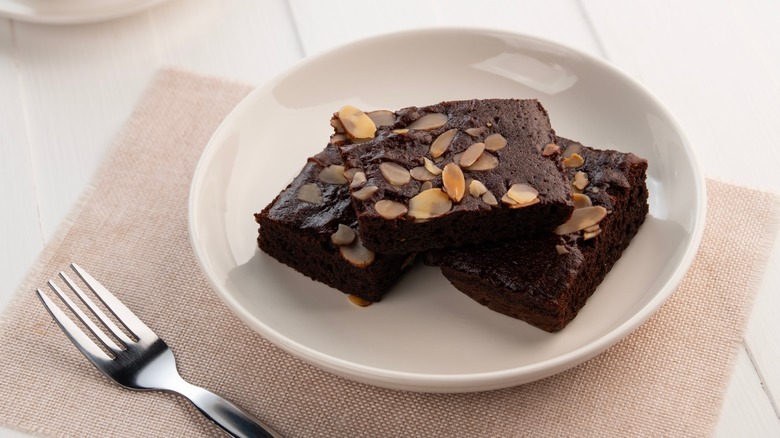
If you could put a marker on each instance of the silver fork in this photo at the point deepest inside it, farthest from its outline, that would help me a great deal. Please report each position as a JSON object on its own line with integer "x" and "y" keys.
{"x": 144, "y": 361}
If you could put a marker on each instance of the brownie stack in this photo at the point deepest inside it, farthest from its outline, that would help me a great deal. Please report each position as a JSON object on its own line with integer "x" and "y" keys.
{"x": 520, "y": 220}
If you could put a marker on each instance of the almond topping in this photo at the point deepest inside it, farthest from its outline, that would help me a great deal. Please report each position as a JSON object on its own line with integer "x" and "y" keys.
{"x": 582, "y": 201}
{"x": 365, "y": 193}
{"x": 400, "y": 131}
{"x": 358, "y": 179}
{"x": 344, "y": 235}
{"x": 484, "y": 162}
{"x": 574, "y": 160}
{"x": 471, "y": 154}
{"x": 356, "y": 122}
{"x": 591, "y": 234}
{"x": 356, "y": 300}
{"x": 350, "y": 173}
{"x": 489, "y": 199}
{"x": 420, "y": 173}
{"x": 429, "y": 122}
{"x": 427, "y": 185}
{"x": 550, "y": 149}
{"x": 429, "y": 204}
{"x": 333, "y": 174}
{"x": 580, "y": 180}
{"x": 523, "y": 194}
{"x": 454, "y": 181}
{"x": 571, "y": 149}
{"x": 356, "y": 254}
{"x": 560, "y": 249}
{"x": 337, "y": 126}
{"x": 495, "y": 142}
{"x": 390, "y": 209}
{"x": 382, "y": 117}
{"x": 431, "y": 167}
{"x": 442, "y": 142}
{"x": 476, "y": 132}
{"x": 582, "y": 218}
{"x": 477, "y": 189}
{"x": 310, "y": 193}
{"x": 394, "y": 173}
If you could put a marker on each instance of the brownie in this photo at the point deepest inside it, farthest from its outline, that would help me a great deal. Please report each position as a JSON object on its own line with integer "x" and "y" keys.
{"x": 546, "y": 280}
{"x": 421, "y": 165}
{"x": 311, "y": 227}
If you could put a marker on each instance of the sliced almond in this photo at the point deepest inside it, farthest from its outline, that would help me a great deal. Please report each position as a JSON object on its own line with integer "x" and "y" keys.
{"x": 337, "y": 126}
{"x": 442, "y": 142}
{"x": 365, "y": 193}
{"x": 427, "y": 185}
{"x": 356, "y": 122}
{"x": 522, "y": 194}
{"x": 454, "y": 181}
{"x": 400, "y": 131}
{"x": 344, "y": 235}
{"x": 587, "y": 235}
{"x": 592, "y": 228}
{"x": 476, "y": 132}
{"x": 356, "y": 300}
{"x": 358, "y": 179}
{"x": 310, "y": 193}
{"x": 573, "y": 148}
{"x": 495, "y": 142}
{"x": 550, "y": 149}
{"x": 394, "y": 173}
{"x": 431, "y": 167}
{"x": 484, "y": 162}
{"x": 477, "y": 188}
{"x": 350, "y": 173}
{"x": 420, "y": 173}
{"x": 429, "y": 122}
{"x": 356, "y": 254}
{"x": 390, "y": 209}
{"x": 471, "y": 154}
{"x": 580, "y": 180}
{"x": 382, "y": 117}
{"x": 573, "y": 161}
{"x": 560, "y": 249}
{"x": 489, "y": 199}
{"x": 333, "y": 174}
{"x": 582, "y": 218}
{"x": 581, "y": 201}
{"x": 429, "y": 204}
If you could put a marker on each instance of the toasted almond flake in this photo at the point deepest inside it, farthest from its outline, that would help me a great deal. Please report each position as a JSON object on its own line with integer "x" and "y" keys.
{"x": 356, "y": 254}
{"x": 400, "y": 131}
{"x": 484, "y": 162}
{"x": 358, "y": 179}
{"x": 333, "y": 174}
{"x": 431, "y": 167}
{"x": 573, "y": 161}
{"x": 580, "y": 180}
{"x": 522, "y": 193}
{"x": 390, "y": 209}
{"x": 560, "y": 249}
{"x": 365, "y": 193}
{"x": 356, "y": 122}
{"x": 476, "y": 132}
{"x": 429, "y": 204}
{"x": 582, "y": 201}
{"x": 489, "y": 199}
{"x": 310, "y": 193}
{"x": 592, "y": 228}
{"x": 471, "y": 154}
{"x": 550, "y": 149}
{"x": 454, "y": 181}
{"x": 477, "y": 188}
{"x": 337, "y": 125}
{"x": 495, "y": 142}
{"x": 420, "y": 173}
{"x": 582, "y": 218}
{"x": 382, "y": 117}
{"x": 356, "y": 300}
{"x": 394, "y": 173}
{"x": 427, "y": 185}
{"x": 442, "y": 142}
{"x": 349, "y": 174}
{"x": 591, "y": 234}
{"x": 344, "y": 235}
{"x": 429, "y": 122}
{"x": 571, "y": 149}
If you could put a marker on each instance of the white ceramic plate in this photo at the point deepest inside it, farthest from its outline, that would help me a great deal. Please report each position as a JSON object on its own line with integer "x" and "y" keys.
{"x": 425, "y": 335}
{"x": 71, "y": 11}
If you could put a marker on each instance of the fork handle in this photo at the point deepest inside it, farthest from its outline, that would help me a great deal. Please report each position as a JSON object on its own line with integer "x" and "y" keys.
{"x": 234, "y": 420}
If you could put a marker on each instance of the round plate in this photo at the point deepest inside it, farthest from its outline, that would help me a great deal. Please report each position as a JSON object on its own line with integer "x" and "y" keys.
{"x": 425, "y": 335}
{"x": 71, "y": 11}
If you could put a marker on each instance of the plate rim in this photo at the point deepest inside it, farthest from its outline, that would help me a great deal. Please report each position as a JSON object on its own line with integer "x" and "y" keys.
{"x": 78, "y": 15}
{"x": 459, "y": 382}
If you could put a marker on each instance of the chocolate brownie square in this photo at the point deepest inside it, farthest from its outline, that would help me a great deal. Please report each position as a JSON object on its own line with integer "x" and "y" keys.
{"x": 311, "y": 227}
{"x": 417, "y": 168}
{"x": 546, "y": 280}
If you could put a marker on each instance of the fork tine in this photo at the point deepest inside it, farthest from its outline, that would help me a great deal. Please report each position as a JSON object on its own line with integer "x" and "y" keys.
{"x": 127, "y": 317}
{"x": 116, "y": 331}
{"x": 87, "y": 347}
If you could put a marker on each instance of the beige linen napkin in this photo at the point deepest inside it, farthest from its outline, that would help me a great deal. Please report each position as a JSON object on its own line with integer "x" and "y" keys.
{"x": 666, "y": 379}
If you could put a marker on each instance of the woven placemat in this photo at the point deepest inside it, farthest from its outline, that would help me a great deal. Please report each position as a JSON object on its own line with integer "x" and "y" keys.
{"x": 668, "y": 378}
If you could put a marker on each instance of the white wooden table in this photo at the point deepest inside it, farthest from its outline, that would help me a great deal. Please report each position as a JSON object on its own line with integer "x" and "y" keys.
{"x": 65, "y": 91}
